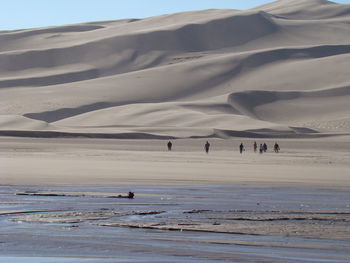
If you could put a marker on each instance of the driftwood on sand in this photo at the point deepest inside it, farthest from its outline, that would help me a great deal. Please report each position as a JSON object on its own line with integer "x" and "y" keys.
{"x": 129, "y": 195}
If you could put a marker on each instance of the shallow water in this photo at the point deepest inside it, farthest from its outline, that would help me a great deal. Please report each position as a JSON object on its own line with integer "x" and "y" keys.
{"x": 24, "y": 238}
{"x": 14, "y": 259}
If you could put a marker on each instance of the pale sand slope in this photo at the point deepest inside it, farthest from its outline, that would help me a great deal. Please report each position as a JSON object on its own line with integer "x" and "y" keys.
{"x": 280, "y": 69}
{"x": 39, "y": 161}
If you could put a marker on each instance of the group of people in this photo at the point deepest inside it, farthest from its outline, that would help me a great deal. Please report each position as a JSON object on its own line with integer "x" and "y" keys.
{"x": 262, "y": 147}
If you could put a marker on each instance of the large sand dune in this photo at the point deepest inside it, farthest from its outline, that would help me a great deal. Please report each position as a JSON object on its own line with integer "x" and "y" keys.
{"x": 282, "y": 68}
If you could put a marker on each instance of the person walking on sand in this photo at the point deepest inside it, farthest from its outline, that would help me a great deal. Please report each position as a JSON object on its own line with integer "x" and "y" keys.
{"x": 170, "y": 145}
{"x": 241, "y": 148}
{"x": 265, "y": 147}
{"x": 276, "y": 147}
{"x": 206, "y": 147}
{"x": 255, "y": 147}
{"x": 261, "y": 149}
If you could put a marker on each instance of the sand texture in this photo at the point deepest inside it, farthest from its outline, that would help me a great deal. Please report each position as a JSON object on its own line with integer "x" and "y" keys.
{"x": 280, "y": 69}
{"x": 86, "y": 161}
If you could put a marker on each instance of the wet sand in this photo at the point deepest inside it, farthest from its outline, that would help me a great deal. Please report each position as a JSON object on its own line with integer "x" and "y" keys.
{"x": 58, "y": 201}
{"x": 176, "y": 224}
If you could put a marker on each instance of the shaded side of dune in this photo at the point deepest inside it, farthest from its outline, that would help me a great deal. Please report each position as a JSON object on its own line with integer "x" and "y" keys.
{"x": 294, "y": 132}
{"x": 56, "y": 134}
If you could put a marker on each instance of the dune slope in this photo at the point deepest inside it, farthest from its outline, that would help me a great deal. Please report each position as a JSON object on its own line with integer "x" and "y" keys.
{"x": 281, "y": 69}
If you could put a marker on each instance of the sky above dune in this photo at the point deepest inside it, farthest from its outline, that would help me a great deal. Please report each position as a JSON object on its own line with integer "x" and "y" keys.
{"x": 17, "y": 14}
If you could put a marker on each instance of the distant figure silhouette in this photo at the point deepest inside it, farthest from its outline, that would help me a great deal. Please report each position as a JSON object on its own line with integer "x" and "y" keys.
{"x": 170, "y": 145}
{"x": 241, "y": 148}
{"x": 130, "y": 195}
{"x": 265, "y": 147}
{"x": 276, "y": 147}
{"x": 206, "y": 147}
{"x": 261, "y": 149}
{"x": 255, "y": 147}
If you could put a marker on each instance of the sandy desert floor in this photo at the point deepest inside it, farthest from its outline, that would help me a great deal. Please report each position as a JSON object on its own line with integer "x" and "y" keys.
{"x": 26, "y": 161}
{"x": 58, "y": 201}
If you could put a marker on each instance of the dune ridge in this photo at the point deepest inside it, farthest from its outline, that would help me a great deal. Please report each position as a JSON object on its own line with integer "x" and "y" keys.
{"x": 278, "y": 70}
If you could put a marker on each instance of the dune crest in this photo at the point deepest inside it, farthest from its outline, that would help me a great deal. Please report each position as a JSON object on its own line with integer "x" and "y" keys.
{"x": 280, "y": 69}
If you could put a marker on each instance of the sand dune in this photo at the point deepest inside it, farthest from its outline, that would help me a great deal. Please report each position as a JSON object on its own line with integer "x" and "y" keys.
{"x": 301, "y": 9}
{"x": 281, "y": 67}
{"x": 13, "y": 122}
{"x": 277, "y": 105}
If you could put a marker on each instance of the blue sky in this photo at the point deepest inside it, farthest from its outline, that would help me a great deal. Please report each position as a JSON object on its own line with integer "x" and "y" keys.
{"x": 17, "y": 14}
